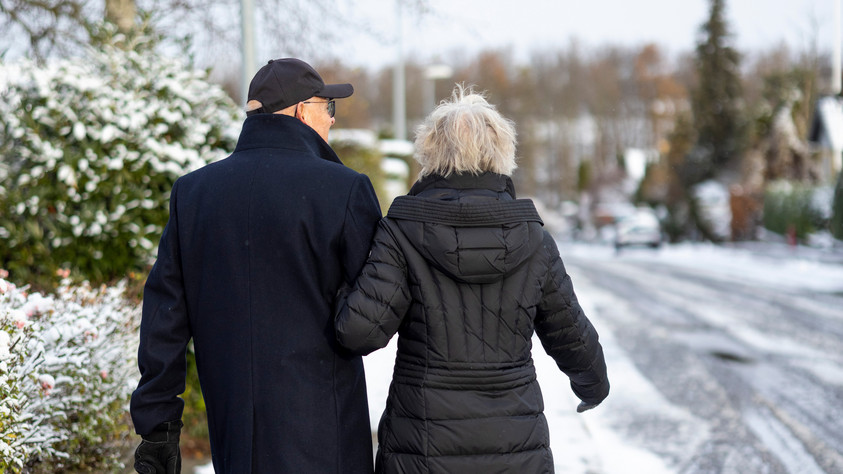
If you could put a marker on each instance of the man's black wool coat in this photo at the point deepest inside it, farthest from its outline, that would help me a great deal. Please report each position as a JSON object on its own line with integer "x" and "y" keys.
{"x": 248, "y": 266}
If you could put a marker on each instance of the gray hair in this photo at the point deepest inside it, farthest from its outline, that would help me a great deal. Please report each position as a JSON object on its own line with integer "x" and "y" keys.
{"x": 465, "y": 134}
{"x": 256, "y": 104}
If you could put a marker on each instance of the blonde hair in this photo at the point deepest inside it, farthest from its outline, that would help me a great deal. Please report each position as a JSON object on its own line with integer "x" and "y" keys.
{"x": 465, "y": 134}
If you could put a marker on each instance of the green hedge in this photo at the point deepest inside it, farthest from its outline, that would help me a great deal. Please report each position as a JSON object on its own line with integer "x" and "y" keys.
{"x": 790, "y": 208}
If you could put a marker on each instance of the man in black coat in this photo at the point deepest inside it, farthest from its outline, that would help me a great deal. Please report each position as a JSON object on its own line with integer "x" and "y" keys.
{"x": 248, "y": 266}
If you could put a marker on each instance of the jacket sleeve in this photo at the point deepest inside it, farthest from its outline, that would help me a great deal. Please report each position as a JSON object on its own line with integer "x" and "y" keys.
{"x": 567, "y": 335}
{"x": 370, "y": 314}
{"x": 164, "y": 334}
{"x": 362, "y": 214}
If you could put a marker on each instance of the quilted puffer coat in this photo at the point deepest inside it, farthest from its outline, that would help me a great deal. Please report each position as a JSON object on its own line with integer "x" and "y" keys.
{"x": 465, "y": 274}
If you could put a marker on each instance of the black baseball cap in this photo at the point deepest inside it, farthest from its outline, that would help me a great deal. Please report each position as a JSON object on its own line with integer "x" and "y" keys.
{"x": 285, "y": 82}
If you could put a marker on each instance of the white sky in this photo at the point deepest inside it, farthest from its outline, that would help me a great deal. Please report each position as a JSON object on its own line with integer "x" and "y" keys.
{"x": 473, "y": 25}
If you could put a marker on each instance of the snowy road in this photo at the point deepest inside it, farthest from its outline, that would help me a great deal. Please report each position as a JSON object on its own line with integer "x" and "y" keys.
{"x": 742, "y": 357}
{"x": 721, "y": 361}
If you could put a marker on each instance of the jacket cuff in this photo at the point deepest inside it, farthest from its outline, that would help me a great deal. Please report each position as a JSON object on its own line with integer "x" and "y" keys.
{"x": 167, "y": 432}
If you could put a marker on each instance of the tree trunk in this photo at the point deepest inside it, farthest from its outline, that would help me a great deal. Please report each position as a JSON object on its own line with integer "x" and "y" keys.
{"x": 121, "y": 13}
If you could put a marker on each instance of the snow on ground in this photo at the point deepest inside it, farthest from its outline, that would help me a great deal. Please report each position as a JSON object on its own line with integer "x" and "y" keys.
{"x": 206, "y": 469}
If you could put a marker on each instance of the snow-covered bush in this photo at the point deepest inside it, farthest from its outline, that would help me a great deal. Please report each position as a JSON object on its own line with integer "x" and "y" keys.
{"x": 14, "y": 337}
{"x": 712, "y": 203}
{"x": 89, "y": 150}
{"x": 67, "y": 367}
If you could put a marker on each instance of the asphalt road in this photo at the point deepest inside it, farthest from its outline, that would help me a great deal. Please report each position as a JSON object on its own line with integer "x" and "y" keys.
{"x": 750, "y": 374}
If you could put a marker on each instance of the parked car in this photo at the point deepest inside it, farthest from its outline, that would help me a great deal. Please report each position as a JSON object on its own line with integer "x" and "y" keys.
{"x": 640, "y": 228}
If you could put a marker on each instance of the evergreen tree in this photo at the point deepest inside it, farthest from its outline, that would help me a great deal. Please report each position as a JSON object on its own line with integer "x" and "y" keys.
{"x": 716, "y": 102}
{"x": 89, "y": 150}
{"x": 681, "y": 140}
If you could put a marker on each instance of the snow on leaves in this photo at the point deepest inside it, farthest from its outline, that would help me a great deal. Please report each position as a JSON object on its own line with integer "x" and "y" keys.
{"x": 67, "y": 369}
{"x": 89, "y": 149}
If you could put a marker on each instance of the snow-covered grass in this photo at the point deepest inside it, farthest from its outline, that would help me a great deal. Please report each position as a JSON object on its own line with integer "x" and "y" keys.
{"x": 67, "y": 369}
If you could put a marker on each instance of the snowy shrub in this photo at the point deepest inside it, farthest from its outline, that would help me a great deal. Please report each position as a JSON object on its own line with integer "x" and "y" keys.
{"x": 89, "y": 150}
{"x": 67, "y": 366}
{"x": 711, "y": 199}
{"x": 14, "y": 337}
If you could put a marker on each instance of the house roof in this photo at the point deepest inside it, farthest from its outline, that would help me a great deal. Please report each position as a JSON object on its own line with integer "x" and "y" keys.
{"x": 827, "y": 124}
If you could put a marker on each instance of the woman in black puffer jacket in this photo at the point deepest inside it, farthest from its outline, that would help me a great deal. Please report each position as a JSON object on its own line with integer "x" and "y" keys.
{"x": 465, "y": 273}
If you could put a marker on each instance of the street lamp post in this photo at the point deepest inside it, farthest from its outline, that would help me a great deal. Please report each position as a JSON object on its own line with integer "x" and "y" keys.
{"x": 835, "y": 70}
{"x": 399, "y": 110}
{"x": 431, "y": 74}
{"x": 247, "y": 30}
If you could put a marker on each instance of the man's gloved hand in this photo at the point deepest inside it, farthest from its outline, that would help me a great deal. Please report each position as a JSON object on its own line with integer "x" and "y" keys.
{"x": 159, "y": 452}
{"x": 583, "y": 406}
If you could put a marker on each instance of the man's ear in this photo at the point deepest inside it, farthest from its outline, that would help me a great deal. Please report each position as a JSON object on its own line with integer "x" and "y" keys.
{"x": 300, "y": 113}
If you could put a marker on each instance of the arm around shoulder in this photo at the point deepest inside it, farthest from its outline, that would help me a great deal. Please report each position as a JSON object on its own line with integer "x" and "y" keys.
{"x": 372, "y": 311}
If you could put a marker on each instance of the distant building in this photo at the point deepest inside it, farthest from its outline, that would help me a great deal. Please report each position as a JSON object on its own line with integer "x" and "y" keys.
{"x": 636, "y": 161}
{"x": 826, "y": 135}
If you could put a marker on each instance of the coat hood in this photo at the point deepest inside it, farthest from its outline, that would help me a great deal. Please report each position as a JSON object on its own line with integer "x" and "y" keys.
{"x": 469, "y": 227}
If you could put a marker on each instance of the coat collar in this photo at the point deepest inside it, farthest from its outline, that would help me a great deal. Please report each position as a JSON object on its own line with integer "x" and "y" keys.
{"x": 283, "y": 132}
{"x": 491, "y": 181}
{"x": 432, "y": 200}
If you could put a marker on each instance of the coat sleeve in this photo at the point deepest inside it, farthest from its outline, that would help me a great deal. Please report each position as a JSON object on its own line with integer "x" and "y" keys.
{"x": 567, "y": 335}
{"x": 370, "y": 314}
{"x": 362, "y": 214}
{"x": 164, "y": 334}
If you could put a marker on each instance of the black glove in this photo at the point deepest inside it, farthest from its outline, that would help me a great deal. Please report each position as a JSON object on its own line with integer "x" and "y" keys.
{"x": 159, "y": 452}
{"x": 583, "y": 406}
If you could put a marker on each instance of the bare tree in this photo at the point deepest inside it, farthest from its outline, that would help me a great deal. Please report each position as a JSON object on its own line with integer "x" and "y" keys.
{"x": 121, "y": 13}
{"x": 46, "y": 26}
{"x": 662, "y": 95}
{"x": 554, "y": 118}
{"x": 301, "y": 27}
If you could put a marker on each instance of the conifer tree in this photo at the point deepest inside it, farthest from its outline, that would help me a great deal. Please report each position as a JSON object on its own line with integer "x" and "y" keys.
{"x": 717, "y": 100}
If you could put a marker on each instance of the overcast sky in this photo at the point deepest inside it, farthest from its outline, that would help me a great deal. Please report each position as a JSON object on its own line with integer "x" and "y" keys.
{"x": 524, "y": 25}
